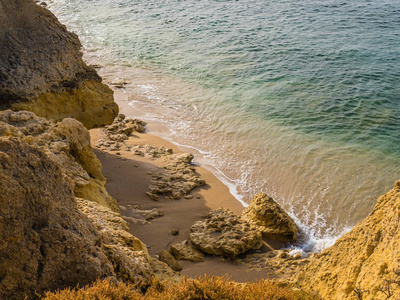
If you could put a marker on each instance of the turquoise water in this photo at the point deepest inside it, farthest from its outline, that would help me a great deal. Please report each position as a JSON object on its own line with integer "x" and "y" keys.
{"x": 299, "y": 99}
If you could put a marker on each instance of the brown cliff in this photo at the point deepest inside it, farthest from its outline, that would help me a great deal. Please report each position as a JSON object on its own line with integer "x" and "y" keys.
{"x": 67, "y": 143}
{"x": 365, "y": 262}
{"x": 45, "y": 242}
{"x": 41, "y": 68}
{"x": 49, "y": 238}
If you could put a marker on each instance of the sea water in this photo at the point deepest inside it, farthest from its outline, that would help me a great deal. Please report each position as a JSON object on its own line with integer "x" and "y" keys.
{"x": 297, "y": 99}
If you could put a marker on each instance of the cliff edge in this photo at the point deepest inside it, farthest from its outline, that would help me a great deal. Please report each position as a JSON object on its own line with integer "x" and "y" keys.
{"x": 41, "y": 68}
{"x": 364, "y": 263}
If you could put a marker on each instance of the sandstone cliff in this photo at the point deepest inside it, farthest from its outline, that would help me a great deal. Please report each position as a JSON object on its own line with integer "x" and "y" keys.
{"x": 49, "y": 238}
{"x": 67, "y": 143}
{"x": 41, "y": 68}
{"x": 45, "y": 242}
{"x": 365, "y": 262}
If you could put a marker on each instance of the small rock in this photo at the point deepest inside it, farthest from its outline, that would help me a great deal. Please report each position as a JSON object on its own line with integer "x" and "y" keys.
{"x": 167, "y": 258}
{"x": 175, "y": 232}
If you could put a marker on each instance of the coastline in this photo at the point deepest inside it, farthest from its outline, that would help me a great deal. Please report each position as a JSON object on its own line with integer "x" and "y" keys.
{"x": 128, "y": 180}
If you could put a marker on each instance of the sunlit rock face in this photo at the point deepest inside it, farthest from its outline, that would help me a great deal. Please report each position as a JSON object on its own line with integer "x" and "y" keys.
{"x": 41, "y": 68}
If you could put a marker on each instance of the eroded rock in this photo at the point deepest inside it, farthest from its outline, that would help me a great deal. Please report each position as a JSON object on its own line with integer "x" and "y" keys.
{"x": 127, "y": 254}
{"x": 178, "y": 178}
{"x": 224, "y": 233}
{"x": 41, "y": 68}
{"x": 67, "y": 143}
{"x": 270, "y": 218}
{"x": 365, "y": 259}
{"x": 141, "y": 216}
{"x": 279, "y": 262}
{"x": 46, "y": 243}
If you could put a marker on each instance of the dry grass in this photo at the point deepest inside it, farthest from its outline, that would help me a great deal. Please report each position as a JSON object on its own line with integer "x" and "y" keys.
{"x": 215, "y": 288}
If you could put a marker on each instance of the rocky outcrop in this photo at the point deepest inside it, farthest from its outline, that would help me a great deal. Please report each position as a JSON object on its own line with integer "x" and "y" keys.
{"x": 41, "y": 68}
{"x": 270, "y": 218}
{"x": 281, "y": 263}
{"x": 115, "y": 135}
{"x": 364, "y": 261}
{"x": 67, "y": 143}
{"x": 224, "y": 233}
{"x": 49, "y": 238}
{"x": 177, "y": 176}
{"x": 46, "y": 243}
{"x": 127, "y": 254}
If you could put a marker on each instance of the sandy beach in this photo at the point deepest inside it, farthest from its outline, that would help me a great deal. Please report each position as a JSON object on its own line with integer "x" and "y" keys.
{"x": 128, "y": 179}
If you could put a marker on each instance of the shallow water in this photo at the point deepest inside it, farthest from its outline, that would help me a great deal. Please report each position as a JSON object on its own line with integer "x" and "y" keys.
{"x": 297, "y": 99}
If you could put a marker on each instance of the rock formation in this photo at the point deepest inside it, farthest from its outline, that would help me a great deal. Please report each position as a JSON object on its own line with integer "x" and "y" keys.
{"x": 41, "y": 68}
{"x": 270, "y": 218}
{"x": 127, "y": 254}
{"x": 45, "y": 241}
{"x": 49, "y": 238}
{"x": 177, "y": 177}
{"x": 366, "y": 260}
{"x": 224, "y": 233}
{"x": 67, "y": 143}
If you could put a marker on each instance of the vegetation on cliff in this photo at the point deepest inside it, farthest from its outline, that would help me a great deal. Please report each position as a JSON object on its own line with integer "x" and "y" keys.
{"x": 195, "y": 289}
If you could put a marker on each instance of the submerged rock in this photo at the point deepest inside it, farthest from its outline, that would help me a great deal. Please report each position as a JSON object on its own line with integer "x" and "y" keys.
{"x": 270, "y": 218}
{"x": 224, "y": 233}
{"x": 41, "y": 68}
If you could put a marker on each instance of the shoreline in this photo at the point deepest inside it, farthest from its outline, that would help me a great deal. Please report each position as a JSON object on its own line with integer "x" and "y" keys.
{"x": 128, "y": 180}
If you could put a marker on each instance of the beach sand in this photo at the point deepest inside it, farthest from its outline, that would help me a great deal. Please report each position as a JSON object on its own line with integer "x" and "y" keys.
{"x": 128, "y": 180}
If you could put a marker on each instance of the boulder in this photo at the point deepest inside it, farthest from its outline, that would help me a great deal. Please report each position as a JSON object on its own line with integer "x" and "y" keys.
{"x": 183, "y": 251}
{"x": 138, "y": 125}
{"x": 274, "y": 223}
{"x": 224, "y": 233}
{"x": 41, "y": 68}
